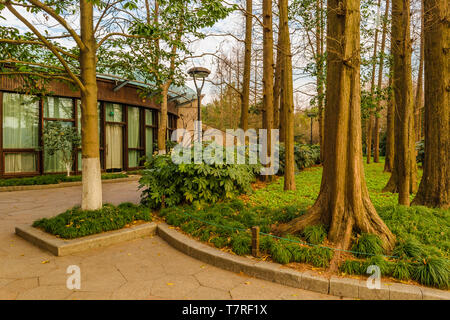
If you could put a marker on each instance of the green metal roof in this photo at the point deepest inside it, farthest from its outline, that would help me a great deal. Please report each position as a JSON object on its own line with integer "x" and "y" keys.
{"x": 180, "y": 94}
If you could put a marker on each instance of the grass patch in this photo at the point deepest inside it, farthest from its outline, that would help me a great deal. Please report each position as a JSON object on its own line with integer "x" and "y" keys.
{"x": 52, "y": 179}
{"x": 421, "y": 232}
{"x": 76, "y": 223}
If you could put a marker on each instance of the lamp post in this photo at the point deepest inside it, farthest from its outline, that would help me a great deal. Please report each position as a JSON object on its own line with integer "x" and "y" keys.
{"x": 311, "y": 115}
{"x": 199, "y": 73}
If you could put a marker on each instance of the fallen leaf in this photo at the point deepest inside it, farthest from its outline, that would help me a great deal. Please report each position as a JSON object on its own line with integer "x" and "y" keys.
{"x": 169, "y": 283}
{"x": 45, "y": 261}
{"x": 247, "y": 282}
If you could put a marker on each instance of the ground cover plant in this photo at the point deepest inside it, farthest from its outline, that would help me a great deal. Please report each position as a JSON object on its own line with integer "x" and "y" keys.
{"x": 52, "y": 179}
{"x": 423, "y": 242}
{"x": 76, "y": 223}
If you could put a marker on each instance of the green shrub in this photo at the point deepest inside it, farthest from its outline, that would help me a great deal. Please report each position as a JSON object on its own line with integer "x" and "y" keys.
{"x": 219, "y": 242}
{"x": 433, "y": 272}
{"x": 305, "y": 156}
{"x": 384, "y": 265}
{"x": 266, "y": 243}
{"x": 168, "y": 183}
{"x": 352, "y": 267}
{"x": 76, "y": 223}
{"x": 409, "y": 248}
{"x": 315, "y": 234}
{"x": 320, "y": 257}
{"x": 402, "y": 270}
{"x": 366, "y": 245}
{"x": 280, "y": 253}
{"x": 241, "y": 243}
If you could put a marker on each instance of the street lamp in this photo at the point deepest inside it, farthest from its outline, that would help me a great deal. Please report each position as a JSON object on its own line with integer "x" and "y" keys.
{"x": 199, "y": 73}
{"x": 311, "y": 115}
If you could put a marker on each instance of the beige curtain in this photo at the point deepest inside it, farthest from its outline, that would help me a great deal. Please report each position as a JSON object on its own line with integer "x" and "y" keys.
{"x": 114, "y": 154}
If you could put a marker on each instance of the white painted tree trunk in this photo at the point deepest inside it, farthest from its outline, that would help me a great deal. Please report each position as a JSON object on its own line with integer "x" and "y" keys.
{"x": 92, "y": 184}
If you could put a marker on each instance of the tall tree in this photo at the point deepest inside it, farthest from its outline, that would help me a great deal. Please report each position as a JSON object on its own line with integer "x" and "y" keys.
{"x": 390, "y": 127}
{"x": 43, "y": 57}
{"x": 247, "y": 64}
{"x": 370, "y": 120}
{"x": 320, "y": 72}
{"x": 376, "y": 131}
{"x": 288, "y": 97}
{"x": 343, "y": 203}
{"x": 419, "y": 87}
{"x": 402, "y": 177}
{"x": 435, "y": 185}
{"x": 268, "y": 72}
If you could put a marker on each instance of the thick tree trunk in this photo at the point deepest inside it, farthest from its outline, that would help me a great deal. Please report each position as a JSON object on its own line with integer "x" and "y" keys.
{"x": 268, "y": 73}
{"x": 162, "y": 128}
{"x": 343, "y": 202}
{"x": 288, "y": 97}
{"x": 402, "y": 179}
{"x": 247, "y": 66}
{"x": 376, "y": 133}
{"x": 369, "y": 123}
{"x": 435, "y": 185}
{"x": 90, "y": 145}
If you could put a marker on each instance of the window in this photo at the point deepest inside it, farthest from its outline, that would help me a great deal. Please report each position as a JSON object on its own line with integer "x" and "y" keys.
{"x": 171, "y": 125}
{"x": 59, "y": 110}
{"x": 113, "y": 112}
{"x": 150, "y": 132}
{"x": 20, "y": 132}
{"x": 134, "y": 142}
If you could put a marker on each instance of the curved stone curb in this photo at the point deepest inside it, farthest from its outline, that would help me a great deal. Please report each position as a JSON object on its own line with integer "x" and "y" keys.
{"x": 61, "y": 247}
{"x": 343, "y": 287}
{"x": 63, "y": 184}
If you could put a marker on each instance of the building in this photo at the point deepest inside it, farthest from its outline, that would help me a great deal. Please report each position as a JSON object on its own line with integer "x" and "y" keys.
{"x": 128, "y": 124}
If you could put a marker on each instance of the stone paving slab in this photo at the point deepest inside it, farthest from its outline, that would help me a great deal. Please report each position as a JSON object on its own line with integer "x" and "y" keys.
{"x": 144, "y": 268}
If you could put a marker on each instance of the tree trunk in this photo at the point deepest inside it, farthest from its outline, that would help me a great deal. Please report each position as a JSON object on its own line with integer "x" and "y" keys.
{"x": 320, "y": 75}
{"x": 369, "y": 126}
{"x": 277, "y": 115}
{"x": 268, "y": 73}
{"x": 435, "y": 184}
{"x": 419, "y": 89}
{"x": 401, "y": 179}
{"x": 343, "y": 202}
{"x": 90, "y": 145}
{"x": 162, "y": 129}
{"x": 390, "y": 131}
{"x": 247, "y": 66}
{"x": 288, "y": 97}
{"x": 376, "y": 133}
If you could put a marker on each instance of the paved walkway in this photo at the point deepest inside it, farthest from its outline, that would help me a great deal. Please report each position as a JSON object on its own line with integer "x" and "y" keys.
{"x": 146, "y": 268}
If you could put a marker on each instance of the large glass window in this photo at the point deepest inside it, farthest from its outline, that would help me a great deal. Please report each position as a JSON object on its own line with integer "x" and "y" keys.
{"x": 133, "y": 137}
{"x": 20, "y": 131}
{"x": 113, "y": 112}
{"x": 61, "y": 110}
{"x": 150, "y": 127}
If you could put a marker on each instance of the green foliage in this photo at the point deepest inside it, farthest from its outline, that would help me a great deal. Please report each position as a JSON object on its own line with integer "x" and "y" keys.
{"x": 432, "y": 271}
{"x": 320, "y": 257}
{"x": 420, "y": 148}
{"x": 369, "y": 244}
{"x": 409, "y": 248}
{"x": 380, "y": 261}
{"x": 167, "y": 183}
{"x": 402, "y": 270}
{"x": 52, "y": 179}
{"x": 352, "y": 267}
{"x": 76, "y": 223}
{"x": 62, "y": 140}
{"x": 280, "y": 253}
{"x": 315, "y": 234}
{"x": 305, "y": 156}
{"x": 241, "y": 243}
